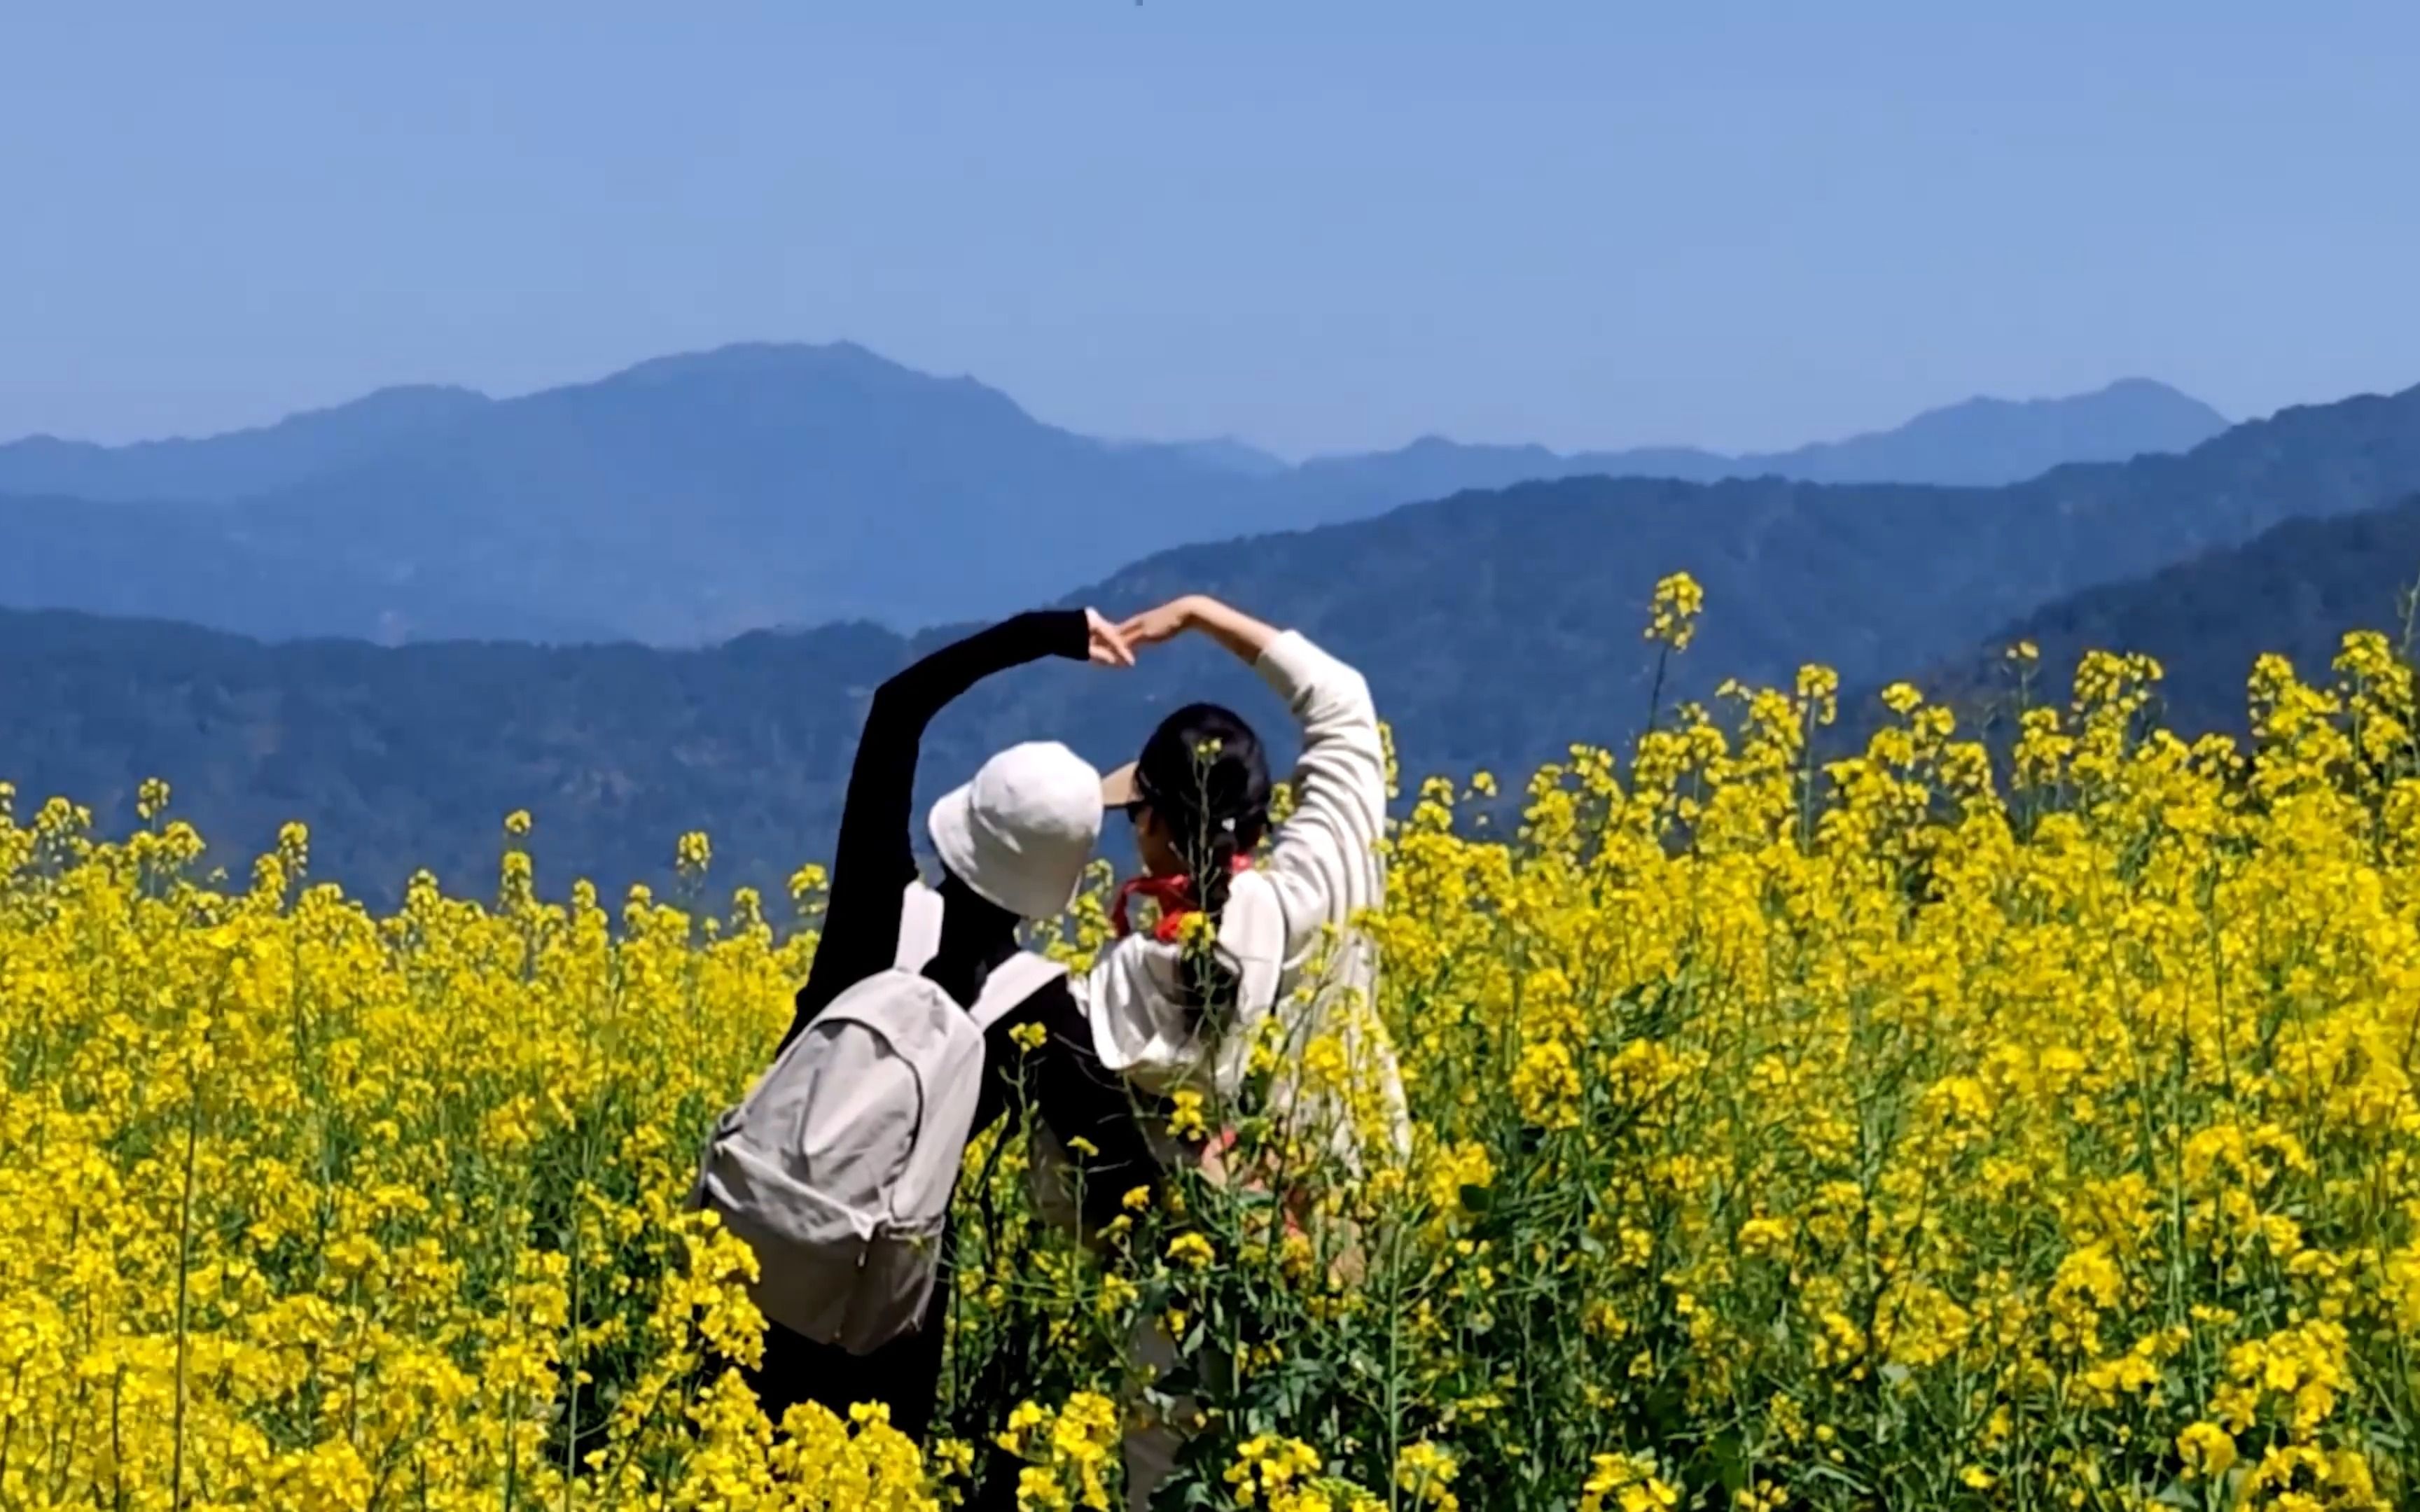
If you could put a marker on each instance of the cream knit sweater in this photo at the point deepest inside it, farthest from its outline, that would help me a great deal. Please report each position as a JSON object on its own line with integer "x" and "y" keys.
{"x": 1287, "y": 934}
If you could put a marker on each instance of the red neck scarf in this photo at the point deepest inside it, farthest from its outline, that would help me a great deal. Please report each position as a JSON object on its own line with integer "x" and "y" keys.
{"x": 1172, "y": 894}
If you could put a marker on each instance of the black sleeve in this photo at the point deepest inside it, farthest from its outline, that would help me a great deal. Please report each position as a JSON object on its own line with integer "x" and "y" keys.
{"x": 874, "y": 859}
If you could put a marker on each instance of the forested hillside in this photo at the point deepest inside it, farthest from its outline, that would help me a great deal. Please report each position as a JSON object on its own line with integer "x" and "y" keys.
{"x": 2295, "y": 590}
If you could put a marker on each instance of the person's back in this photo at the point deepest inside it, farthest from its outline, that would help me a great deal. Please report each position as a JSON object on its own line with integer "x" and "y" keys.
{"x": 1286, "y": 968}
{"x": 1013, "y": 843}
{"x": 1285, "y": 929}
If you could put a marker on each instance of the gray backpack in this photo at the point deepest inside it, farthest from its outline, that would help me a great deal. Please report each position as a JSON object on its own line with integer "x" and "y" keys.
{"x": 838, "y": 1166}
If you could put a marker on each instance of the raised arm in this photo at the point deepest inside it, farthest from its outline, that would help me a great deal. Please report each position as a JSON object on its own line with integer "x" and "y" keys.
{"x": 1324, "y": 858}
{"x": 873, "y": 858}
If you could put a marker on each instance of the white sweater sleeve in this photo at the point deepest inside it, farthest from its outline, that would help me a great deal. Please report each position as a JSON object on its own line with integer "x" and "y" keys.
{"x": 1324, "y": 860}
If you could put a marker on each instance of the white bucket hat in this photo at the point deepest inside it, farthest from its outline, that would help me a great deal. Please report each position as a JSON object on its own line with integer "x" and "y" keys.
{"x": 1022, "y": 831}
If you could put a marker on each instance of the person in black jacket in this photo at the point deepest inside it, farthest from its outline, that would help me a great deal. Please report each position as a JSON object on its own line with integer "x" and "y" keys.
{"x": 1013, "y": 843}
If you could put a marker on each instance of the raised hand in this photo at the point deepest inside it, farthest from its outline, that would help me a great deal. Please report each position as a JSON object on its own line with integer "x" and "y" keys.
{"x": 1107, "y": 645}
{"x": 1230, "y": 628}
{"x": 1155, "y": 625}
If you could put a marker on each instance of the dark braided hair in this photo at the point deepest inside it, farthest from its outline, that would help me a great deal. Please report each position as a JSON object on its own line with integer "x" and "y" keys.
{"x": 1204, "y": 773}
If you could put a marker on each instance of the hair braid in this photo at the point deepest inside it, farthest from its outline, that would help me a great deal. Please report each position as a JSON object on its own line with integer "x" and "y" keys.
{"x": 1208, "y": 982}
{"x": 1204, "y": 773}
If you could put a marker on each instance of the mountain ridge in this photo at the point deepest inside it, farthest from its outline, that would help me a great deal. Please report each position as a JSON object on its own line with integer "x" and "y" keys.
{"x": 1979, "y": 443}
{"x": 227, "y": 465}
{"x": 694, "y": 496}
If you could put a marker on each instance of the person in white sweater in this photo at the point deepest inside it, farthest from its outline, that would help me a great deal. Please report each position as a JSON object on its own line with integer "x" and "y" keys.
{"x": 1168, "y": 1016}
{"x": 1284, "y": 966}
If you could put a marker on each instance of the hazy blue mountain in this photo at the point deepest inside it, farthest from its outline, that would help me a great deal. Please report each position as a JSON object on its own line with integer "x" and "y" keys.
{"x": 238, "y": 463}
{"x": 411, "y": 756}
{"x": 169, "y": 562}
{"x": 1336, "y": 489}
{"x": 1978, "y": 443}
{"x": 1219, "y": 454}
{"x": 690, "y": 498}
{"x": 1984, "y": 442}
{"x": 1496, "y": 628}
{"x": 693, "y": 497}
{"x": 1505, "y": 626}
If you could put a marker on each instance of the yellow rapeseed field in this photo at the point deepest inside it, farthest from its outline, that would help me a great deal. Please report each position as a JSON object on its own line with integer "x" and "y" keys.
{"x": 1908, "y": 1131}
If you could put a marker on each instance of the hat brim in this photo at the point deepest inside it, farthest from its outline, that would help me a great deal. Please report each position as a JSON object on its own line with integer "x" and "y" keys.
{"x": 951, "y": 825}
{"x": 1118, "y": 788}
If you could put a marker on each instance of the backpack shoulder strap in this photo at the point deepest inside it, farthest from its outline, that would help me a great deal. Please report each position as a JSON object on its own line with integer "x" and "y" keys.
{"x": 919, "y": 926}
{"x": 1011, "y": 983}
{"x": 882, "y": 986}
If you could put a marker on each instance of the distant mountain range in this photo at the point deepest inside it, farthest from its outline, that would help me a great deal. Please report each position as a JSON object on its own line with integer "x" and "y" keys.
{"x": 1496, "y": 627}
{"x": 1978, "y": 443}
{"x": 691, "y": 498}
{"x": 1220, "y": 453}
{"x": 1501, "y": 627}
{"x": 239, "y": 463}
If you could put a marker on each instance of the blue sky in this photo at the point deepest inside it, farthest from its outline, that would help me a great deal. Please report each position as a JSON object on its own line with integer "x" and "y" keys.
{"x": 1320, "y": 226}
